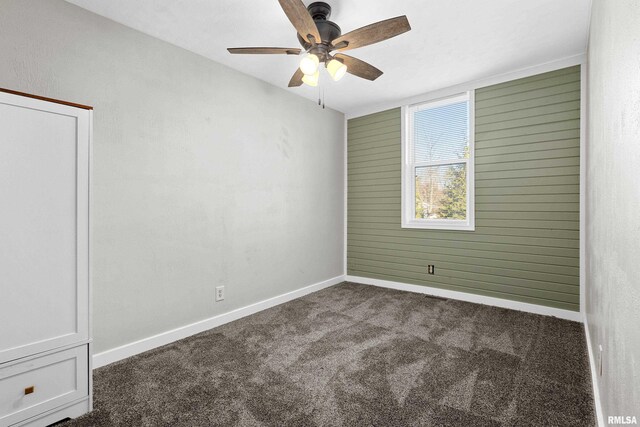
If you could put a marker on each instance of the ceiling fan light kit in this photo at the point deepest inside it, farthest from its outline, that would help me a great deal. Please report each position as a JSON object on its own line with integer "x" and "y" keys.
{"x": 336, "y": 69}
{"x": 309, "y": 64}
{"x": 311, "y": 79}
{"x": 319, "y": 37}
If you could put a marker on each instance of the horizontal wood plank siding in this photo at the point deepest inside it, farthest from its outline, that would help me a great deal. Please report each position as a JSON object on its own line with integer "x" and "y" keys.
{"x": 526, "y": 243}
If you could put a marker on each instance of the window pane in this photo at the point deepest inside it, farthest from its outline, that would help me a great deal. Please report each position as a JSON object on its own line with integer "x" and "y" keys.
{"x": 440, "y": 133}
{"x": 441, "y": 192}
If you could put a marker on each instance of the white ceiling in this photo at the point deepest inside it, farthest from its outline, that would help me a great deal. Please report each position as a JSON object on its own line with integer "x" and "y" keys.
{"x": 451, "y": 41}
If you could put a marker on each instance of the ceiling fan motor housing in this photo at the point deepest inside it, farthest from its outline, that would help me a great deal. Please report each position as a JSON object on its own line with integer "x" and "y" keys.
{"x": 321, "y": 11}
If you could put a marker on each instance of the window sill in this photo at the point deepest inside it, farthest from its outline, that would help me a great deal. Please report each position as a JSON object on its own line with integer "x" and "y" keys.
{"x": 433, "y": 225}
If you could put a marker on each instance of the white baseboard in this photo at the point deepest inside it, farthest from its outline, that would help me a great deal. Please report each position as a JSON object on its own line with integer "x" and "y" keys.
{"x": 478, "y": 299}
{"x": 131, "y": 349}
{"x": 594, "y": 376}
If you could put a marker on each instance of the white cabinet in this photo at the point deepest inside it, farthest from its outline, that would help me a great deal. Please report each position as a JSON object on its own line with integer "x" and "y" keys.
{"x": 44, "y": 260}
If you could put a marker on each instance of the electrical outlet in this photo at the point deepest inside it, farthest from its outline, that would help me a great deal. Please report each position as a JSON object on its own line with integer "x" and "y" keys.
{"x": 431, "y": 269}
{"x": 219, "y": 293}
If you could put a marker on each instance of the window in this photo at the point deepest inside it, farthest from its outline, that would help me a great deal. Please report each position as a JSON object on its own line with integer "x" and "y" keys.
{"x": 437, "y": 170}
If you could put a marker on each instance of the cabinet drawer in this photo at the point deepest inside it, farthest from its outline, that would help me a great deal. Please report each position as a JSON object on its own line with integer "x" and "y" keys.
{"x": 37, "y": 385}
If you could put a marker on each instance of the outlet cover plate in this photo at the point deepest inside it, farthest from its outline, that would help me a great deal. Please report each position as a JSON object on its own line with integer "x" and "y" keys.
{"x": 219, "y": 293}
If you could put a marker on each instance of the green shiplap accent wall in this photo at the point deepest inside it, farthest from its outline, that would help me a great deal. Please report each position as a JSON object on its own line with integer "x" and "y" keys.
{"x": 526, "y": 243}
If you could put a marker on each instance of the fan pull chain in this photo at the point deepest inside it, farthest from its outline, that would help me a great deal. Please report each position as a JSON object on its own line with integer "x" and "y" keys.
{"x": 323, "y": 98}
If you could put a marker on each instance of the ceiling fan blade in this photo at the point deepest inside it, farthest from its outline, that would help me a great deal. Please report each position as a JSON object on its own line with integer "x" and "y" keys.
{"x": 373, "y": 33}
{"x": 296, "y": 80}
{"x": 265, "y": 50}
{"x": 300, "y": 18}
{"x": 358, "y": 67}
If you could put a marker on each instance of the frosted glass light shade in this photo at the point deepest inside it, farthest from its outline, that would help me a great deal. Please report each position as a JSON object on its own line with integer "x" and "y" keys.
{"x": 311, "y": 80}
{"x": 309, "y": 64}
{"x": 336, "y": 69}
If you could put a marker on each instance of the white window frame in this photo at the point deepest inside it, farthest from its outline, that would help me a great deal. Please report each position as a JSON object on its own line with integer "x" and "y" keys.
{"x": 408, "y": 168}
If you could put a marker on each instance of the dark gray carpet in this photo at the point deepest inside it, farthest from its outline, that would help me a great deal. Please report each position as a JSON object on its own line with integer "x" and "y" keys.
{"x": 357, "y": 355}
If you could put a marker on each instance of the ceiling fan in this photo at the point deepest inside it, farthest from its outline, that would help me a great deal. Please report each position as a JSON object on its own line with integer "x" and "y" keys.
{"x": 320, "y": 37}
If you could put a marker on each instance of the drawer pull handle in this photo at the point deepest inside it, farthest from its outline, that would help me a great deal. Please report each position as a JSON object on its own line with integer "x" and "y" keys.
{"x": 29, "y": 390}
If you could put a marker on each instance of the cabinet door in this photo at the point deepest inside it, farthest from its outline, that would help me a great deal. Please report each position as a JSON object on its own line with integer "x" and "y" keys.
{"x": 44, "y": 212}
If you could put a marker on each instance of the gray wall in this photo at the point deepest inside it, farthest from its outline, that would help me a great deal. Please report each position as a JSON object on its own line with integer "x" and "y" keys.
{"x": 613, "y": 202}
{"x": 526, "y": 243}
{"x": 202, "y": 176}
